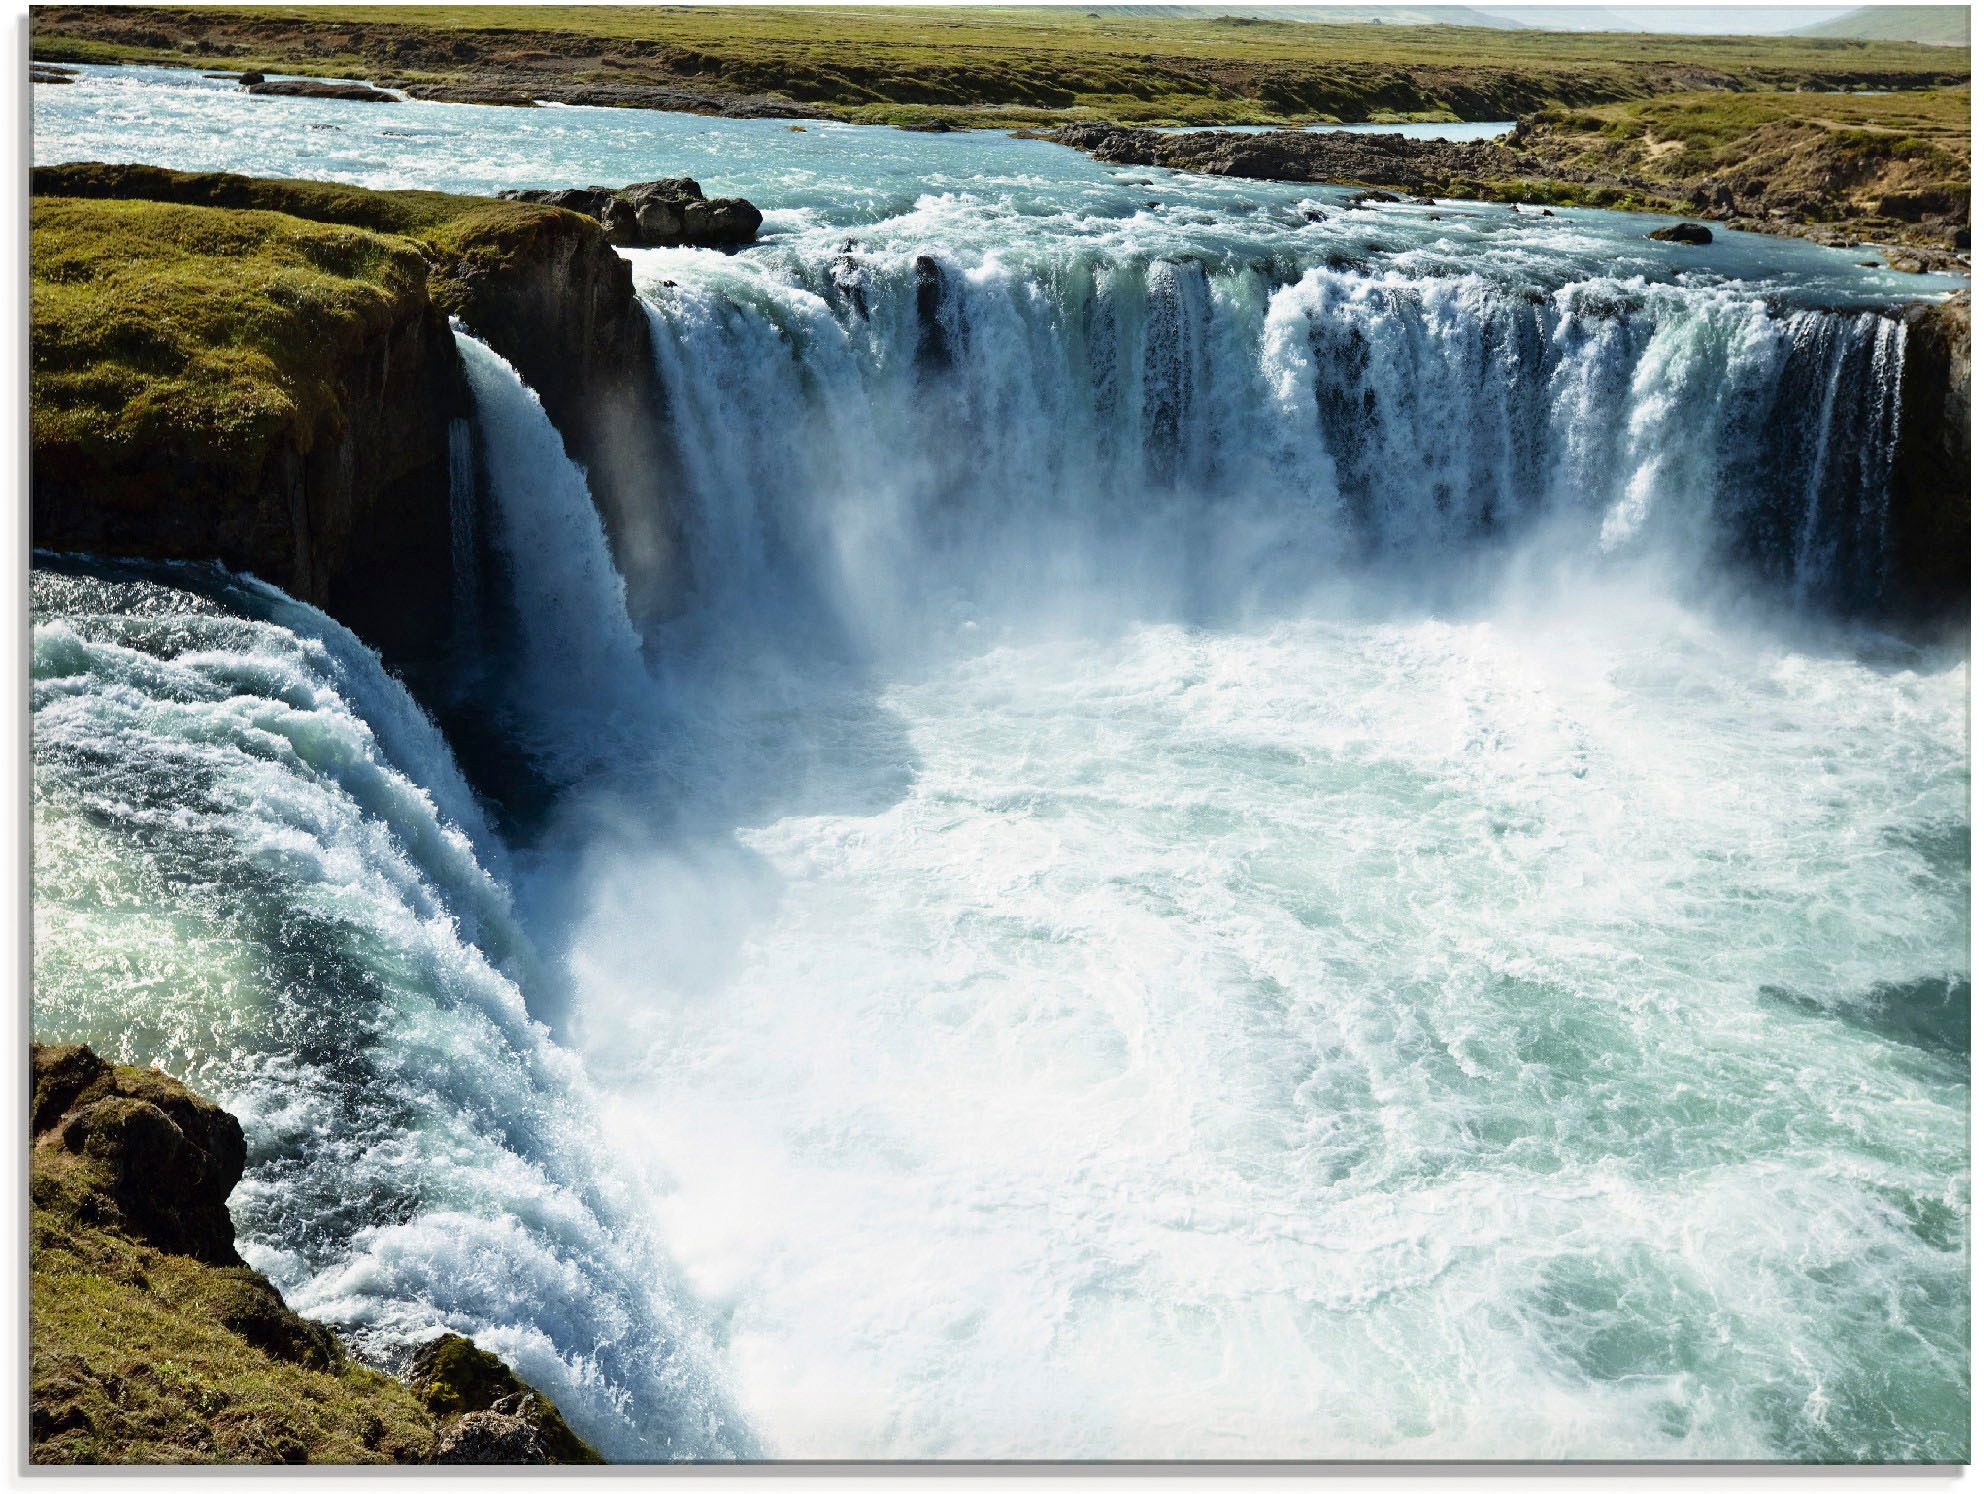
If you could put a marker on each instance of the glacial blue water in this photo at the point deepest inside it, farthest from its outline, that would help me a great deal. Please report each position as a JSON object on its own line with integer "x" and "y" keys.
{"x": 1255, "y": 836}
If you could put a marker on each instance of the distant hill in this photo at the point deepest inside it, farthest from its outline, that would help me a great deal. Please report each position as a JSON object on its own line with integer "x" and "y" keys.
{"x": 1390, "y": 15}
{"x": 1938, "y": 25}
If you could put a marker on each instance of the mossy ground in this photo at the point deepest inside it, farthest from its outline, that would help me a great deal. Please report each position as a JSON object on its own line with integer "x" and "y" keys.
{"x": 145, "y": 1355}
{"x": 203, "y": 313}
{"x": 130, "y": 1363}
{"x": 150, "y": 1342}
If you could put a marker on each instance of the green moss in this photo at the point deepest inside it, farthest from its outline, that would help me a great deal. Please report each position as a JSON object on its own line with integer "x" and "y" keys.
{"x": 213, "y": 329}
{"x": 452, "y": 1376}
{"x": 202, "y": 313}
{"x": 130, "y": 1363}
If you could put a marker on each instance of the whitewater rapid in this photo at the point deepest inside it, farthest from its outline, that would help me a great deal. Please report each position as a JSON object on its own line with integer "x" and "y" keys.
{"x": 1267, "y": 829}
{"x": 257, "y": 867}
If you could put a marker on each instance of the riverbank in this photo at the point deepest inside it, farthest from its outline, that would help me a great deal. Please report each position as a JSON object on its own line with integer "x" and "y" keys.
{"x": 961, "y": 67}
{"x": 1892, "y": 170}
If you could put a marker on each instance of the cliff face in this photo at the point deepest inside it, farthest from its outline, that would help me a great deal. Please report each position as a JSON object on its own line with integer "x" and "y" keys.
{"x": 1929, "y": 511}
{"x": 151, "y": 1342}
{"x": 311, "y": 379}
{"x": 554, "y": 299}
{"x": 241, "y": 386}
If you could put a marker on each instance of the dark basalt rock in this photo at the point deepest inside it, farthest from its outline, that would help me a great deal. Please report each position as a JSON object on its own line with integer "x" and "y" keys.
{"x": 164, "y": 1158}
{"x": 357, "y": 93}
{"x": 1682, "y": 233}
{"x": 1929, "y": 510}
{"x": 249, "y": 80}
{"x": 657, "y": 214}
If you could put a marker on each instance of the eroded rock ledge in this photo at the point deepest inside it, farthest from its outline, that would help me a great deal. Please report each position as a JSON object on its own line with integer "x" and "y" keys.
{"x": 151, "y": 1342}
{"x": 293, "y": 421}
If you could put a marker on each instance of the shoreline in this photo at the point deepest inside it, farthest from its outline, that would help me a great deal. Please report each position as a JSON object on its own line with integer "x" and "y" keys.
{"x": 1765, "y": 164}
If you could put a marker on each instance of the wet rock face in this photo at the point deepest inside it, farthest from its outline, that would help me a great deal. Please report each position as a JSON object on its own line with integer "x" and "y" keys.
{"x": 1929, "y": 510}
{"x": 165, "y": 1158}
{"x": 657, "y": 214}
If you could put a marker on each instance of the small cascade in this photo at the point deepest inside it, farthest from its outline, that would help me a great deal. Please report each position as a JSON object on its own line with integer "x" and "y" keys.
{"x": 574, "y": 658}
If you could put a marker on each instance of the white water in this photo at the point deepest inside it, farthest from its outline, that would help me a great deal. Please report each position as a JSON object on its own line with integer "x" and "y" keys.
{"x": 1253, "y": 840}
{"x": 256, "y": 866}
{"x": 1219, "y": 883}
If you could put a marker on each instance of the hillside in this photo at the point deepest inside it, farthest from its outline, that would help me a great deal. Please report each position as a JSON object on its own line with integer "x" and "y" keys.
{"x": 1931, "y": 25}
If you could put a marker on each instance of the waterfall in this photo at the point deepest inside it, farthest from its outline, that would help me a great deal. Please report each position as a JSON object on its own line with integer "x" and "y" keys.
{"x": 238, "y": 810}
{"x": 1201, "y": 436}
{"x": 574, "y": 658}
{"x": 463, "y": 542}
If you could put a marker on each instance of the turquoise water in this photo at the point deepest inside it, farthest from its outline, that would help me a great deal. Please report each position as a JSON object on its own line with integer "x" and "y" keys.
{"x": 1254, "y": 838}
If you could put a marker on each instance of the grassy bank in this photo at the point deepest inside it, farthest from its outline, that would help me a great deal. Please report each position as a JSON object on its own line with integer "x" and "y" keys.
{"x": 1895, "y": 168}
{"x": 203, "y": 314}
{"x": 980, "y": 66}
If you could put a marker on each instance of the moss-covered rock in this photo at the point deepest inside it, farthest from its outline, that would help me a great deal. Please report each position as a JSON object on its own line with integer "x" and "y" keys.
{"x": 454, "y": 1378}
{"x": 150, "y": 1342}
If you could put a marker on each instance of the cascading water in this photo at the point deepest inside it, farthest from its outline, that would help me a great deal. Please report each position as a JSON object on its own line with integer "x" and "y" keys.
{"x": 1215, "y": 439}
{"x": 574, "y": 659}
{"x": 1253, "y": 839}
{"x": 256, "y": 865}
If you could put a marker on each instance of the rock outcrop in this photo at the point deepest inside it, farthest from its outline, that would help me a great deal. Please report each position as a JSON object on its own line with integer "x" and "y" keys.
{"x": 341, "y": 497}
{"x": 290, "y": 418}
{"x": 1441, "y": 167}
{"x": 156, "y": 1161}
{"x": 658, "y": 214}
{"x": 1682, "y": 233}
{"x": 151, "y": 1342}
{"x": 487, "y": 1414}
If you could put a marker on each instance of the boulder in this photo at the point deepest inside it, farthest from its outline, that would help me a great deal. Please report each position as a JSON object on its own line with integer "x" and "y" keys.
{"x": 1682, "y": 233}
{"x": 490, "y": 1437}
{"x": 459, "y": 1383}
{"x": 299, "y": 88}
{"x": 658, "y": 214}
